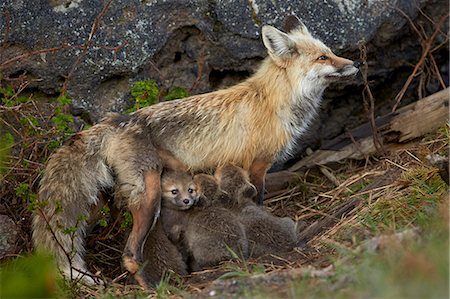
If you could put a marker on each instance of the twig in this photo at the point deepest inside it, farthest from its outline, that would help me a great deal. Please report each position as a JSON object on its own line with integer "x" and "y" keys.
{"x": 369, "y": 101}
{"x": 328, "y": 221}
{"x": 330, "y": 176}
{"x": 33, "y": 53}
{"x": 425, "y": 52}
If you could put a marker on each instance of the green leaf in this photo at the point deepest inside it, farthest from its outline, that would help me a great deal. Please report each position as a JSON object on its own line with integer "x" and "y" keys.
{"x": 64, "y": 100}
{"x": 103, "y": 223}
{"x": 62, "y": 121}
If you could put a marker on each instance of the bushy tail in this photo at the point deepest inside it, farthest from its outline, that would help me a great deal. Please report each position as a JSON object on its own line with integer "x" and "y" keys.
{"x": 70, "y": 185}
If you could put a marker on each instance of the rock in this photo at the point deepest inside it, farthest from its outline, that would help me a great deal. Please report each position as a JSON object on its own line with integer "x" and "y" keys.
{"x": 8, "y": 236}
{"x": 101, "y": 47}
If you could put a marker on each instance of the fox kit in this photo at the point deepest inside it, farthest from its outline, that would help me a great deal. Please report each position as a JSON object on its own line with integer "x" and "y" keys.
{"x": 178, "y": 193}
{"x": 161, "y": 255}
{"x": 206, "y": 234}
{"x": 251, "y": 125}
{"x": 265, "y": 232}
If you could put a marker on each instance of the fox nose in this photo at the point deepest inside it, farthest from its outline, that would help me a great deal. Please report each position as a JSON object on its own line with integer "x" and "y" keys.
{"x": 356, "y": 64}
{"x": 186, "y": 201}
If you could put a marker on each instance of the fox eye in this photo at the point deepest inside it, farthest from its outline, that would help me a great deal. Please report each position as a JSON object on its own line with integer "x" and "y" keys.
{"x": 323, "y": 57}
{"x": 174, "y": 191}
{"x": 190, "y": 190}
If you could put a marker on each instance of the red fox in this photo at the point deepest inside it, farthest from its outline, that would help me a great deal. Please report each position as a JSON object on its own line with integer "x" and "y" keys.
{"x": 250, "y": 125}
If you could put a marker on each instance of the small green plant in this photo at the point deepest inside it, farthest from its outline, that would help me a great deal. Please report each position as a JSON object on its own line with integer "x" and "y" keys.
{"x": 61, "y": 119}
{"x": 176, "y": 93}
{"x": 9, "y": 97}
{"x": 412, "y": 207}
{"x": 23, "y": 191}
{"x": 104, "y": 211}
{"x": 170, "y": 284}
{"x": 146, "y": 93}
{"x": 127, "y": 221}
{"x": 241, "y": 268}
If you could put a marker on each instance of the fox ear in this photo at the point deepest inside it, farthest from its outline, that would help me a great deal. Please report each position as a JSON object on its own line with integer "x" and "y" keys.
{"x": 293, "y": 23}
{"x": 278, "y": 43}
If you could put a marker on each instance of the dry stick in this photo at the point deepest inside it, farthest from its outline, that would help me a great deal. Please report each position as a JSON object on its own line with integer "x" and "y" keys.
{"x": 436, "y": 71}
{"x": 52, "y": 232}
{"x": 328, "y": 221}
{"x": 423, "y": 37}
{"x": 33, "y": 53}
{"x": 369, "y": 101}
{"x": 7, "y": 15}
{"x": 425, "y": 52}
{"x": 428, "y": 71}
{"x": 429, "y": 19}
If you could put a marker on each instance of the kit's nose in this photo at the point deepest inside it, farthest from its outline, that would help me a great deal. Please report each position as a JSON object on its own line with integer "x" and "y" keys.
{"x": 186, "y": 201}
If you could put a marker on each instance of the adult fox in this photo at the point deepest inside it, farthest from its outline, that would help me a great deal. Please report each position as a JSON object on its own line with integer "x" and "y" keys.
{"x": 249, "y": 125}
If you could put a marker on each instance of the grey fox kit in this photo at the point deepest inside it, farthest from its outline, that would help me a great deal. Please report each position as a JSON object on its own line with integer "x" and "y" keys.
{"x": 224, "y": 221}
{"x": 265, "y": 233}
{"x": 161, "y": 256}
{"x": 205, "y": 234}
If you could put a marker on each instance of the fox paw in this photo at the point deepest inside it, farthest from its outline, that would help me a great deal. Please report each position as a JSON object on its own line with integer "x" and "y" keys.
{"x": 130, "y": 263}
{"x": 132, "y": 266}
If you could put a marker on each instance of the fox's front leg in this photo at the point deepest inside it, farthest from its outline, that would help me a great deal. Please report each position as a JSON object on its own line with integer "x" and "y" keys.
{"x": 257, "y": 171}
{"x": 145, "y": 213}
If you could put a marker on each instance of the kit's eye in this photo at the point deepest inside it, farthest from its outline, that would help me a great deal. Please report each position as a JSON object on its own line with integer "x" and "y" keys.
{"x": 190, "y": 190}
{"x": 323, "y": 57}
{"x": 174, "y": 191}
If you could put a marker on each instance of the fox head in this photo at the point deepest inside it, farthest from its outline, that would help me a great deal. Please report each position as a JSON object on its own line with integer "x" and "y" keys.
{"x": 307, "y": 60}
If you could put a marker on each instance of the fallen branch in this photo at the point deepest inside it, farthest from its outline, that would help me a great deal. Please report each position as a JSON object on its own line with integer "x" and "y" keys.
{"x": 407, "y": 123}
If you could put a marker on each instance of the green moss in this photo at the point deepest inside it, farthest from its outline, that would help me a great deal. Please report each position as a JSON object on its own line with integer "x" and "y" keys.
{"x": 145, "y": 93}
{"x": 176, "y": 93}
